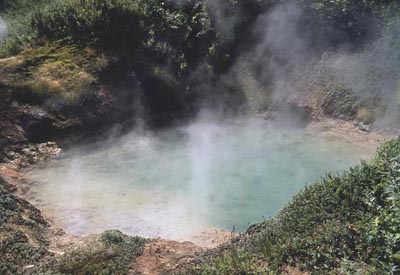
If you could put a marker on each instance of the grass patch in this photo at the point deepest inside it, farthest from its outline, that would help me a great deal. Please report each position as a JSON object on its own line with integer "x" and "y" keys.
{"x": 55, "y": 76}
{"x": 110, "y": 253}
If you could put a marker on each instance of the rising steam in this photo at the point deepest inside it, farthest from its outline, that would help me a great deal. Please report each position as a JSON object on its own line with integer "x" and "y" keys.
{"x": 3, "y": 29}
{"x": 289, "y": 53}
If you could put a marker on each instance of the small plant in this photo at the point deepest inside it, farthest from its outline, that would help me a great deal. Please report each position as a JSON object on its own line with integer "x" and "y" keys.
{"x": 111, "y": 237}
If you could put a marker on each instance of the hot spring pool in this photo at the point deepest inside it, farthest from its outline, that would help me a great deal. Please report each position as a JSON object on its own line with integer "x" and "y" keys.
{"x": 181, "y": 181}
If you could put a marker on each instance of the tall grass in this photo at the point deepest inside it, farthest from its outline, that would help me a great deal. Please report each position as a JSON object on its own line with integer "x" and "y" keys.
{"x": 69, "y": 20}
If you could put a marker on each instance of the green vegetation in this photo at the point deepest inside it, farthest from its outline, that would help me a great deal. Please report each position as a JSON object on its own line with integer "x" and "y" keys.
{"x": 156, "y": 28}
{"x": 149, "y": 24}
{"x": 103, "y": 49}
{"x": 181, "y": 34}
{"x": 343, "y": 224}
{"x": 53, "y": 75}
{"x": 22, "y": 231}
{"x": 110, "y": 253}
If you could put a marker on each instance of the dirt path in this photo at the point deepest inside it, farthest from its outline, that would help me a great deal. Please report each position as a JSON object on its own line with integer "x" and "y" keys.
{"x": 166, "y": 256}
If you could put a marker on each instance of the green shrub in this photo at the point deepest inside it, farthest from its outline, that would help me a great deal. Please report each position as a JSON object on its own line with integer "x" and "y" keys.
{"x": 111, "y": 237}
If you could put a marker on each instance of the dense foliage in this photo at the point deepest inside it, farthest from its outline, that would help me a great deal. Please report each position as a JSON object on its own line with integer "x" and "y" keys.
{"x": 157, "y": 28}
{"x": 180, "y": 29}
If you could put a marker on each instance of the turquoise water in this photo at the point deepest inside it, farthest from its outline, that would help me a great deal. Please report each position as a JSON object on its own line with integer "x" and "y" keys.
{"x": 180, "y": 181}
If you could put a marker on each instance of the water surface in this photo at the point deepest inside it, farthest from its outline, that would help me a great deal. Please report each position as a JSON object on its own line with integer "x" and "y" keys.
{"x": 180, "y": 181}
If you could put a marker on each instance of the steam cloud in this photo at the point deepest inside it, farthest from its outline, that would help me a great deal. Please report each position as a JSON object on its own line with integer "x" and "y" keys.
{"x": 280, "y": 51}
{"x": 372, "y": 75}
{"x": 289, "y": 55}
{"x": 264, "y": 71}
{"x": 3, "y": 29}
{"x": 224, "y": 17}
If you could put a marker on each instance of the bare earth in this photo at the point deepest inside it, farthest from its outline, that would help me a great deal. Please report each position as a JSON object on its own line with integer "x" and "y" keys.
{"x": 349, "y": 131}
{"x": 165, "y": 256}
